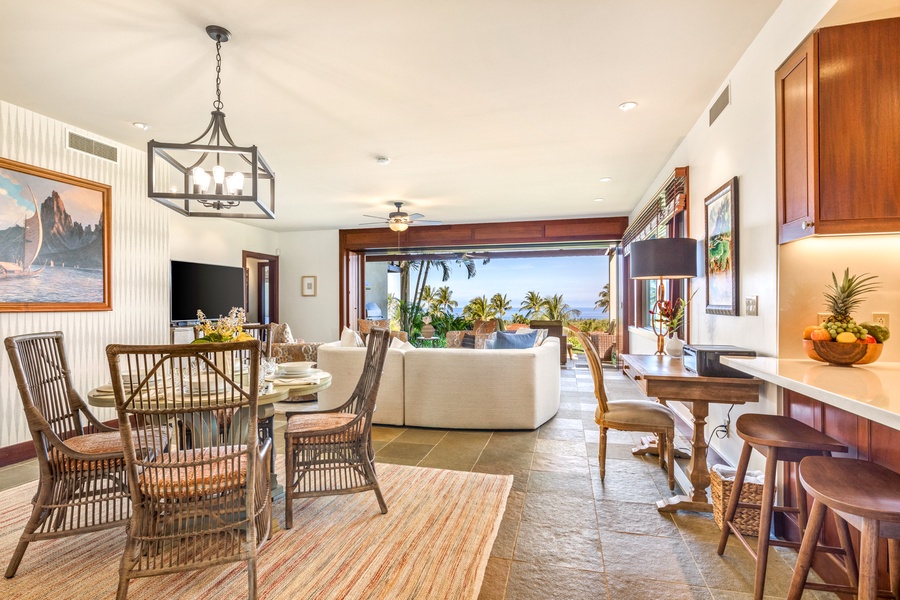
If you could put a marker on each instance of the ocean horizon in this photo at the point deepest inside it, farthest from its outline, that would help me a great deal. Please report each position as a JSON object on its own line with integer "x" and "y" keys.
{"x": 586, "y": 313}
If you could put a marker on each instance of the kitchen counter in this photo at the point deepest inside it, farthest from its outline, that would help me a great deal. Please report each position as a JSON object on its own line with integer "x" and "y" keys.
{"x": 870, "y": 391}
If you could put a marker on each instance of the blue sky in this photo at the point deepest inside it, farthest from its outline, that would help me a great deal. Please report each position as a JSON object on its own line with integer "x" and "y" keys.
{"x": 579, "y": 279}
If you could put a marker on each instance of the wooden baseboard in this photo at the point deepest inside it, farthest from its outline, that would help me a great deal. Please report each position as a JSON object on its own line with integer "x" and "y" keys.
{"x": 10, "y": 455}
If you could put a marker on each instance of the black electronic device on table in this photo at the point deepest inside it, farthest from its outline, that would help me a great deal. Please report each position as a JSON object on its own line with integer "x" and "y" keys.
{"x": 704, "y": 360}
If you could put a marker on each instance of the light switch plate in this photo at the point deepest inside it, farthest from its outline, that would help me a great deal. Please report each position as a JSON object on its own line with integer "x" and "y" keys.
{"x": 751, "y": 306}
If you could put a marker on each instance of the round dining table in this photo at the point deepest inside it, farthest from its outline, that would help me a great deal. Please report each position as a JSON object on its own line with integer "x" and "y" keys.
{"x": 277, "y": 389}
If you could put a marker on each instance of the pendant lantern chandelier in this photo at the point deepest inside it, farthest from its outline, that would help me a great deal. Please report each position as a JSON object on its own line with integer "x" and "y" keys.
{"x": 213, "y": 179}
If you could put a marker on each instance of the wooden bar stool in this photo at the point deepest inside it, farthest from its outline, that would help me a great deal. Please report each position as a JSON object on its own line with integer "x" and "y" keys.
{"x": 865, "y": 495}
{"x": 777, "y": 438}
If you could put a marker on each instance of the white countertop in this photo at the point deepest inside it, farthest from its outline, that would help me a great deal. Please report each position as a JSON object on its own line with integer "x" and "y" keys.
{"x": 870, "y": 391}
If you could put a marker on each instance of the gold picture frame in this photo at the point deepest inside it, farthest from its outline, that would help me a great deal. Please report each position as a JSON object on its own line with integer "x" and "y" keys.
{"x": 308, "y": 285}
{"x": 55, "y": 241}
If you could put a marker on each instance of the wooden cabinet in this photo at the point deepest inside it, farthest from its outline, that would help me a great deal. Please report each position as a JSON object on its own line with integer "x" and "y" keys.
{"x": 838, "y": 132}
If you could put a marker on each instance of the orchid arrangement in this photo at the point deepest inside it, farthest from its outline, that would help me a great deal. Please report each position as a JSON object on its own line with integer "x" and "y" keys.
{"x": 226, "y": 329}
{"x": 668, "y": 316}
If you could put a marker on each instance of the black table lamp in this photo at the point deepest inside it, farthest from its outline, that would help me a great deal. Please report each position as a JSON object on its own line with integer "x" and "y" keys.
{"x": 663, "y": 258}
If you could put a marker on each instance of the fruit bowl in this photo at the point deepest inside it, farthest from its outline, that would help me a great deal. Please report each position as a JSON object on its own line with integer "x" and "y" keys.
{"x": 837, "y": 353}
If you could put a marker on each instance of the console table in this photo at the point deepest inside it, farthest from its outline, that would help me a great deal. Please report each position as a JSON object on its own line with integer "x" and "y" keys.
{"x": 665, "y": 378}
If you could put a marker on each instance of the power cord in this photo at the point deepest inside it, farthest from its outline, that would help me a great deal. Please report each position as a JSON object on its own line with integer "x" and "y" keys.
{"x": 721, "y": 431}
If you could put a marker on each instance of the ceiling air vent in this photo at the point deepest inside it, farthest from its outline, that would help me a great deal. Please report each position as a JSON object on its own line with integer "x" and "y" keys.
{"x": 93, "y": 147}
{"x": 719, "y": 105}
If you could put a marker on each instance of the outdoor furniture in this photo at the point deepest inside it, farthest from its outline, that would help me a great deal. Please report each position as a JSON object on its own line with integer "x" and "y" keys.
{"x": 779, "y": 439}
{"x": 554, "y": 329}
{"x": 630, "y": 415}
{"x": 867, "y": 496}
{"x": 330, "y": 452}
{"x": 82, "y": 485}
{"x": 205, "y": 500}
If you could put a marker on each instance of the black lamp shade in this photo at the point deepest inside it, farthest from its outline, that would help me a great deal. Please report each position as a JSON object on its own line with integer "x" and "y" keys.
{"x": 667, "y": 258}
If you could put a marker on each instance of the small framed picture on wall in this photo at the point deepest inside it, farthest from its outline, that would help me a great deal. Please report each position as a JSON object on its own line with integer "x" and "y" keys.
{"x": 308, "y": 285}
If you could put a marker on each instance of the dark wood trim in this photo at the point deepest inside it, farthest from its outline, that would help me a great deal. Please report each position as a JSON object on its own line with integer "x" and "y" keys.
{"x": 481, "y": 235}
{"x": 273, "y": 275}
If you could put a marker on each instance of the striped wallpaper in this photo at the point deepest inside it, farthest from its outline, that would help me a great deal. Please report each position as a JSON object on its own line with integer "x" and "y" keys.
{"x": 140, "y": 261}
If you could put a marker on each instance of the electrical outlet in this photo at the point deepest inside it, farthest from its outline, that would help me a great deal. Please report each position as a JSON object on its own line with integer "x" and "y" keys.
{"x": 751, "y": 306}
{"x": 883, "y": 319}
{"x": 822, "y": 317}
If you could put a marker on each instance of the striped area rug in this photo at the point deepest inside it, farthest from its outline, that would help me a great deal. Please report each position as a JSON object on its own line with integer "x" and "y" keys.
{"x": 434, "y": 543}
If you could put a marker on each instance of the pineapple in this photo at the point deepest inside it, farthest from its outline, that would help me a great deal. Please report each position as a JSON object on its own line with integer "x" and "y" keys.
{"x": 842, "y": 298}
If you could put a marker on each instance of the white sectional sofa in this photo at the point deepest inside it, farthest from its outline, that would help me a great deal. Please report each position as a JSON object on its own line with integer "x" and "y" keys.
{"x": 455, "y": 388}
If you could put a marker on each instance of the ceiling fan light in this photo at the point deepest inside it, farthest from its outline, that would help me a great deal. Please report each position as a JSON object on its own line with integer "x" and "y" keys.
{"x": 398, "y": 225}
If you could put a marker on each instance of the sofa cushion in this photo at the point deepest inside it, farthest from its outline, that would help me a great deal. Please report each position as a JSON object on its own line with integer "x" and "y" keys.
{"x": 281, "y": 334}
{"x": 513, "y": 341}
{"x": 350, "y": 339}
{"x": 541, "y": 334}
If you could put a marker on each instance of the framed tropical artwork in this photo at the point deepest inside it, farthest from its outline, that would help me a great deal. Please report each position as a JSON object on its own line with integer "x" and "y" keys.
{"x": 722, "y": 275}
{"x": 54, "y": 241}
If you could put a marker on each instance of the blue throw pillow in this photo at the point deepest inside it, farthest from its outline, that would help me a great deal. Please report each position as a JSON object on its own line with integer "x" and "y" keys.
{"x": 513, "y": 341}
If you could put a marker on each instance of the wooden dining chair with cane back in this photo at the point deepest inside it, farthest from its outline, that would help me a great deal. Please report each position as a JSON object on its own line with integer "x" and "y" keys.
{"x": 82, "y": 485}
{"x": 204, "y": 501}
{"x": 330, "y": 452}
{"x": 629, "y": 415}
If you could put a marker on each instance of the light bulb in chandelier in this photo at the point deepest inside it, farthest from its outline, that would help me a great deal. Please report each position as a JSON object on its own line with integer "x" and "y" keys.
{"x": 234, "y": 183}
{"x": 201, "y": 180}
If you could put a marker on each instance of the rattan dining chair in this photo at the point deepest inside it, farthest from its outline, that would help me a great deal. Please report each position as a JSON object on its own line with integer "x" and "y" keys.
{"x": 205, "y": 501}
{"x": 82, "y": 485}
{"x": 629, "y": 415}
{"x": 330, "y": 452}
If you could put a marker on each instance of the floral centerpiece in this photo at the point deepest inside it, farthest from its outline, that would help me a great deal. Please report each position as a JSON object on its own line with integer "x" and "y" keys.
{"x": 666, "y": 317}
{"x": 226, "y": 329}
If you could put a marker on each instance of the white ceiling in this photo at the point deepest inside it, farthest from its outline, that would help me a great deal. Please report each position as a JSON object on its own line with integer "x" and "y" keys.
{"x": 490, "y": 110}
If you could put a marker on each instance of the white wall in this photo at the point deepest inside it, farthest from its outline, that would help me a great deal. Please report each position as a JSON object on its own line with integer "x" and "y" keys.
{"x": 145, "y": 235}
{"x": 742, "y": 143}
{"x": 314, "y": 319}
{"x": 140, "y": 261}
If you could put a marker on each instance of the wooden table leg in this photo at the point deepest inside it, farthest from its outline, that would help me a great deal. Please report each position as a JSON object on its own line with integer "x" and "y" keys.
{"x": 697, "y": 471}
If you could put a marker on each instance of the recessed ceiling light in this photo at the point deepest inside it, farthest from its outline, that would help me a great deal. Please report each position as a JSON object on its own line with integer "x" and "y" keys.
{"x": 141, "y": 126}
{"x": 605, "y": 179}
{"x": 598, "y": 199}
{"x": 626, "y": 106}
{"x": 383, "y": 160}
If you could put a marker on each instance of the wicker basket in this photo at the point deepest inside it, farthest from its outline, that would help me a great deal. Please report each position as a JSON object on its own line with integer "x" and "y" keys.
{"x": 746, "y": 520}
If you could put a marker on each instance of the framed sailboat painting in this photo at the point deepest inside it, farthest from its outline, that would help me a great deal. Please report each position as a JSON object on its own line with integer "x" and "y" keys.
{"x": 54, "y": 241}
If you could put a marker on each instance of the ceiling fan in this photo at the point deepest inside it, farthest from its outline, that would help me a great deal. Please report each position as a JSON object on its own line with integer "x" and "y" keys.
{"x": 400, "y": 220}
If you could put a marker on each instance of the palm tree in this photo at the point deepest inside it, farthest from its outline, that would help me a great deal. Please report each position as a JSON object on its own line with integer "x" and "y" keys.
{"x": 555, "y": 309}
{"x": 603, "y": 299}
{"x": 478, "y": 309}
{"x": 429, "y": 299}
{"x": 500, "y": 304}
{"x": 444, "y": 299}
{"x": 532, "y": 304}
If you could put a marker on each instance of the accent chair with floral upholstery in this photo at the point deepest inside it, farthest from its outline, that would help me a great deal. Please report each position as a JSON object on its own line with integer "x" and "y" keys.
{"x": 283, "y": 347}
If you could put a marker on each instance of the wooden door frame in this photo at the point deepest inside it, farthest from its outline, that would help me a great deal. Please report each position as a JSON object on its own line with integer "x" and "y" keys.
{"x": 359, "y": 241}
{"x": 273, "y": 279}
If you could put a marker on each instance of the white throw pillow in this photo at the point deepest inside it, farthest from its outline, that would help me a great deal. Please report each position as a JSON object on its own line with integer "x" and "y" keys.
{"x": 407, "y": 346}
{"x": 350, "y": 339}
{"x": 397, "y": 343}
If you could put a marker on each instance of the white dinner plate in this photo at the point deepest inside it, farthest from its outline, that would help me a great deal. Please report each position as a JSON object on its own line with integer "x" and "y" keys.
{"x": 282, "y": 373}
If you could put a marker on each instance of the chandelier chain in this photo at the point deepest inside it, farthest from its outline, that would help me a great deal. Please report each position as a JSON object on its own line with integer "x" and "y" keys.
{"x": 218, "y": 102}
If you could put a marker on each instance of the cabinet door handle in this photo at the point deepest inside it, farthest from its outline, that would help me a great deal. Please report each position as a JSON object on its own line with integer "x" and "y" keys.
{"x": 806, "y": 224}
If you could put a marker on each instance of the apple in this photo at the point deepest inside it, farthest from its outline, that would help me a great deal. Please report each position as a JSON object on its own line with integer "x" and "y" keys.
{"x": 820, "y": 335}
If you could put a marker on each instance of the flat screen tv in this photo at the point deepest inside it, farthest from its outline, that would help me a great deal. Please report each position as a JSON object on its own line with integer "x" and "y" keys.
{"x": 214, "y": 289}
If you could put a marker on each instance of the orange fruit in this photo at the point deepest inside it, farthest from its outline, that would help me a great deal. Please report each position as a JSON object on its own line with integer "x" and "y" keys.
{"x": 808, "y": 331}
{"x": 820, "y": 335}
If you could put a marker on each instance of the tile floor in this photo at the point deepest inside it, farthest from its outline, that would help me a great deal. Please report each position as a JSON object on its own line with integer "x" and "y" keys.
{"x": 566, "y": 535}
